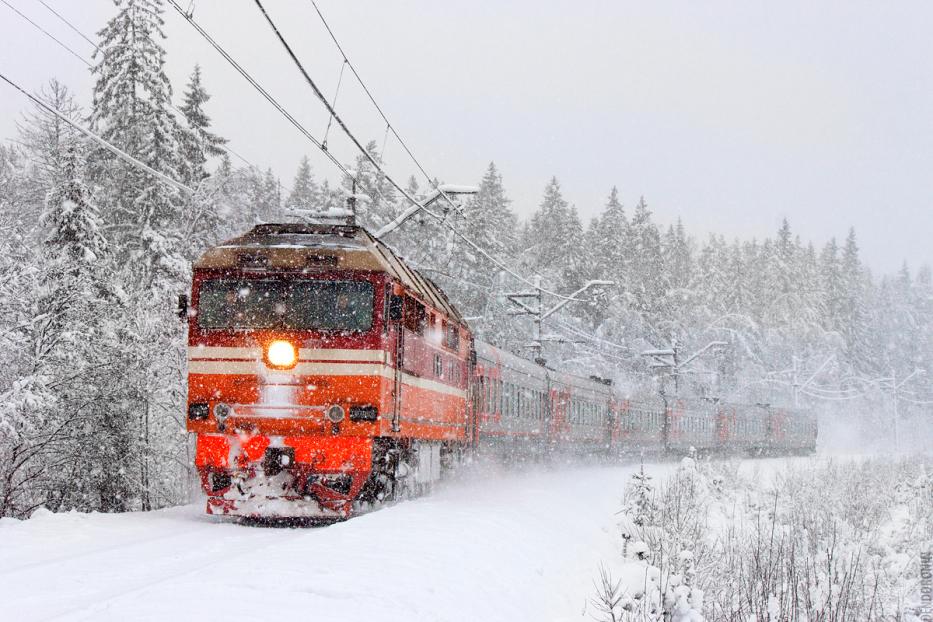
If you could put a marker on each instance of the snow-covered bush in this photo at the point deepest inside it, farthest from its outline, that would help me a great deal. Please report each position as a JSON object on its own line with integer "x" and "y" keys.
{"x": 826, "y": 541}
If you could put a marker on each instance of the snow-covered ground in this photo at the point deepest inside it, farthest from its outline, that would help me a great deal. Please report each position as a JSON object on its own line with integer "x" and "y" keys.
{"x": 501, "y": 546}
{"x": 490, "y": 546}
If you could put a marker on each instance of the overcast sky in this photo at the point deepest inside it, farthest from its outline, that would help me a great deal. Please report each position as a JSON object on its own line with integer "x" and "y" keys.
{"x": 727, "y": 115}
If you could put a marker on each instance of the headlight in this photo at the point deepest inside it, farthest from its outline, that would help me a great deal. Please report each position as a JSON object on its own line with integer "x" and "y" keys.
{"x": 281, "y": 354}
{"x": 335, "y": 414}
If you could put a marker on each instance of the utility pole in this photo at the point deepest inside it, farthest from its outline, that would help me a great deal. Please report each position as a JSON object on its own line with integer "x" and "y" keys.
{"x": 669, "y": 359}
{"x": 895, "y": 386}
{"x": 795, "y": 383}
{"x": 532, "y": 303}
{"x": 797, "y": 386}
{"x": 894, "y": 398}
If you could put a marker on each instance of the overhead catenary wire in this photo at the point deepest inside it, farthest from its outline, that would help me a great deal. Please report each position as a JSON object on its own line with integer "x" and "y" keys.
{"x": 918, "y": 402}
{"x": 46, "y": 33}
{"x": 320, "y": 95}
{"x": 262, "y": 91}
{"x": 87, "y": 62}
{"x": 389, "y": 126}
{"x": 69, "y": 24}
{"x": 832, "y": 398}
{"x": 558, "y": 323}
{"x": 101, "y": 141}
{"x": 330, "y": 119}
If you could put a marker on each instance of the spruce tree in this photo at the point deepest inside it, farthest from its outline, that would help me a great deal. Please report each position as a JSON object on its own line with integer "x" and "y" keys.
{"x": 197, "y": 142}
{"x": 546, "y": 240}
{"x": 378, "y": 205}
{"x": 647, "y": 264}
{"x": 832, "y": 286}
{"x": 131, "y": 109}
{"x": 608, "y": 241}
{"x": 70, "y": 216}
{"x": 489, "y": 221}
{"x": 149, "y": 237}
{"x": 305, "y": 195}
{"x": 852, "y": 311}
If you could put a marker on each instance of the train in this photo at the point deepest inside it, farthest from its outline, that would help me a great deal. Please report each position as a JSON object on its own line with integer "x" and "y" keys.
{"x": 325, "y": 374}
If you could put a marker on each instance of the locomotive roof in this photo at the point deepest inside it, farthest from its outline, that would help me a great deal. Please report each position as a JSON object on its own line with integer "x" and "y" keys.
{"x": 283, "y": 247}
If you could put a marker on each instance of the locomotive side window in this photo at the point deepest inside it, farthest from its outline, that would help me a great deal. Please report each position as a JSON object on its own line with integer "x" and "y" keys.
{"x": 296, "y": 304}
{"x": 414, "y": 316}
{"x": 451, "y": 336}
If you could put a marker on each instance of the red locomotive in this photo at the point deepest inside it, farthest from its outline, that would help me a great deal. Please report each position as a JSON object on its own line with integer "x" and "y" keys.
{"x": 325, "y": 372}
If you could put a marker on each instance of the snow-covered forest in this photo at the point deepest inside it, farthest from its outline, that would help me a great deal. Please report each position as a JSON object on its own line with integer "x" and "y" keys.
{"x": 94, "y": 253}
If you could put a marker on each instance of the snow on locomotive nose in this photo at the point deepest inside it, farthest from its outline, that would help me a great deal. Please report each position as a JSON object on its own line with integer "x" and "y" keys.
{"x": 316, "y": 375}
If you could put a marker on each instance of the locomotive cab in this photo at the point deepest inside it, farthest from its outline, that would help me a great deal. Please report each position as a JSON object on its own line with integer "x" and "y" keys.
{"x": 306, "y": 356}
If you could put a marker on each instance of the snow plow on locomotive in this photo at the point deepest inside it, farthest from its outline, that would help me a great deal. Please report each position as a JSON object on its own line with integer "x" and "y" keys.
{"x": 324, "y": 372}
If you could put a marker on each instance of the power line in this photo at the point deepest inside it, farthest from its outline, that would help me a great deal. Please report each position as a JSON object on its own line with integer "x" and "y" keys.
{"x": 919, "y": 402}
{"x": 389, "y": 125}
{"x": 598, "y": 340}
{"x": 262, "y": 91}
{"x": 69, "y": 24}
{"x": 376, "y": 165}
{"x": 90, "y": 64}
{"x": 102, "y": 142}
{"x": 46, "y": 33}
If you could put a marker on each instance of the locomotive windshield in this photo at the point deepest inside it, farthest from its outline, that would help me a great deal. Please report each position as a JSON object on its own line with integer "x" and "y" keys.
{"x": 299, "y": 304}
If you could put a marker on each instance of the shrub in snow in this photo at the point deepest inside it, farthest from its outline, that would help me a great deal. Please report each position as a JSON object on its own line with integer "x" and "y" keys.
{"x": 829, "y": 541}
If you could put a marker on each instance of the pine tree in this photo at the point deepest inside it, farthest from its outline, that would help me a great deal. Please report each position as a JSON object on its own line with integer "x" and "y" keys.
{"x": 554, "y": 235}
{"x": 608, "y": 241}
{"x": 832, "y": 286}
{"x": 379, "y": 206}
{"x": 852, "y": 311}
{"x": 305, "y": 195}
{"x": 647, "y": 264}
{"x": 197, "y": 142}
{"x": 131, "y": 109}
{"x": 72, "y": 219}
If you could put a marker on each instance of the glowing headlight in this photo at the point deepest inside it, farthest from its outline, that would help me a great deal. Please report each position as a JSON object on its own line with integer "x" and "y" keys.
{"x": 281, "y": 354}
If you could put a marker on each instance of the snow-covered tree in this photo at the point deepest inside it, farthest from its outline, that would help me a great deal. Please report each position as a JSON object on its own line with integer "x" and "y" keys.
{"x": 379, "y": 205}
{"x": 132, "y": 109}
{"x": 197, "y": 143}
{"x": 71, "y": 217}
{"x": 305, "y": 195}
